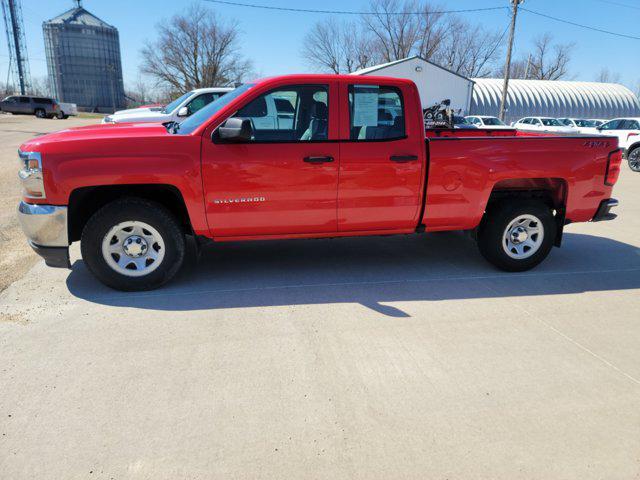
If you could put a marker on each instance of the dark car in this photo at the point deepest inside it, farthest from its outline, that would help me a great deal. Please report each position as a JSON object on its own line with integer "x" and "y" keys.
{"x": 41, "y": 107}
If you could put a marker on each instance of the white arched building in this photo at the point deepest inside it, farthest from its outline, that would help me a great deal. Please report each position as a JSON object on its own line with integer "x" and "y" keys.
{"x": 554, "y": 98}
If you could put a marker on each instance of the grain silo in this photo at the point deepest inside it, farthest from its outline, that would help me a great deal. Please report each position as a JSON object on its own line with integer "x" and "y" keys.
{"x": 83, "y": 60}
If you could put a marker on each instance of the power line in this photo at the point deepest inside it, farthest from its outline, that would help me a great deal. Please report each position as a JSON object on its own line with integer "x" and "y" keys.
{"x": 595, "y": 29}
{"x": 610, "y": 2}
{"x": 347, "y": 12}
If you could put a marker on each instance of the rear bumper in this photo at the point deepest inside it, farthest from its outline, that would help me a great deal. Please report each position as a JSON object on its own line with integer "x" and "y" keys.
{"x": 46, "y": 229}
{"x": 604, "y": 210}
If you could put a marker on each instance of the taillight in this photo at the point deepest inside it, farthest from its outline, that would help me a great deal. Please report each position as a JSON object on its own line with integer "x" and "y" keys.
{"x": 613, "y": 168}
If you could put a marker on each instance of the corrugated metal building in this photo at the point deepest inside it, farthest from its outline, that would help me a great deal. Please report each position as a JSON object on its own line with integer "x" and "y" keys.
{"x": 554, "y": 98}
{"x": 83, "y": 60}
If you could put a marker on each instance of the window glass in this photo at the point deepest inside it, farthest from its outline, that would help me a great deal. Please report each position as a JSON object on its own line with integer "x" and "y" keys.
{"x": 376, "y": 112}
{"x": 611, "y": 125}
{"x": 493, "y": 121}
{"x": 535, "y": 121}
{"x": 297, "y": 113}
{"x": 25, "y": 100}
{"x": 526, "y": 121}
{"x": 194, "y": 121}
{"x": 199, "y": 102}
{"x": 173, "y": 105}
{"x": 628, "y": 125}
{"x": 42, "y": 100}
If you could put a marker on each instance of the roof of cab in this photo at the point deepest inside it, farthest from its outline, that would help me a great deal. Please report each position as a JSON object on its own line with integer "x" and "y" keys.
{"x": 324, "y": 77}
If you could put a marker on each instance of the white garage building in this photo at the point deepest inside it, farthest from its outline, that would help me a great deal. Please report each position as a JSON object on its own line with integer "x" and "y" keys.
{"x": 481, "y": 96}
{"x": 434, "y": 82}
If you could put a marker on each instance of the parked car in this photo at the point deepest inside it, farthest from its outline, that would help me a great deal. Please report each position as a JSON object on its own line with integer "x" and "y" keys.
{"x": 543, "y": 124}
{"x": 628, "y": 132}
{"x": 581, "y": 125}
{"x": 131, "y": 193}
{"x": 461, "y": 122}
{"x": 176, "y": 111}
{"x": 486, "y": 121}
{"x": 41, "y": 107}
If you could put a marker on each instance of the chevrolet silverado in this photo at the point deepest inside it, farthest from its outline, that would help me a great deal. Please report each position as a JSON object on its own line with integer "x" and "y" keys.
{"x": 350, "y": 156}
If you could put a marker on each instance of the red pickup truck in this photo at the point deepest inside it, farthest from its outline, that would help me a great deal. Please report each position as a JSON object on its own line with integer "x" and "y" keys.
{"x": 303, "y": 156}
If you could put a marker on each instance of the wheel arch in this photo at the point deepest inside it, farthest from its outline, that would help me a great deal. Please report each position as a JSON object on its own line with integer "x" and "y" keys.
{"x": 551, "y": 191}
{"x": 85, "y": 201}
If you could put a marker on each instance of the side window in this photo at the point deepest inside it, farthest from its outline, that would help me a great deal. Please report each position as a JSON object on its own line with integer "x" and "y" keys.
{"x": 525, "y": 121}
{"x": 25, "y": 100}
{"x": 376, "y": 113}
{"x": 199, "y": 102}
{"x": 42, "y": 100}
{"x": 289, "y": 114}
{"x": 535, "y": 121}
{"x": 611, "y": 125}
{"x": 11, "y": 100}
{"x": 635, "y": 125}
{"x": 628, "y": 125}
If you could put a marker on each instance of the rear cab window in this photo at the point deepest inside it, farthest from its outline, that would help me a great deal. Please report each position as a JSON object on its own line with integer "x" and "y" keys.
{"x": 376, "y": 113}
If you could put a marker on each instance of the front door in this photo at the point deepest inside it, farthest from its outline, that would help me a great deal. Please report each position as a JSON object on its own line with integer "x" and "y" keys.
{"x": 381, "y": 163}
{"x": 284, "y": 180}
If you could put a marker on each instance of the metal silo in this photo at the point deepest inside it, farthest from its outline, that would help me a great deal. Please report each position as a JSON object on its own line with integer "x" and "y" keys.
{"x": 83, "y": 60}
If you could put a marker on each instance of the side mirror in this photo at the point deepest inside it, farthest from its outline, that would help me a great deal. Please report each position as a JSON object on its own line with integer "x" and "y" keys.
{"x": 183, "y": 112}
{"x": 235, "y": 130}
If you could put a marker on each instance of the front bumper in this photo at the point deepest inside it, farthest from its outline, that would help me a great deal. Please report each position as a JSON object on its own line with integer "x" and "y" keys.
{"x": 46, "y": 229}
{"x": 604, "y": 210}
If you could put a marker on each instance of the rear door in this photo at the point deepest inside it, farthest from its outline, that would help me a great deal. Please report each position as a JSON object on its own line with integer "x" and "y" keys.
{"x": 284, "y": 180}
{"x": 381, "y": 162}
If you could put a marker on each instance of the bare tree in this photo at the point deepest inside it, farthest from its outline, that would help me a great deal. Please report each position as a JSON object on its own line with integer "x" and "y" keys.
{"x": 606, "y": 76}
{"x": 550, "y": 61}
{"x": 468, "y": 50}
{"x": 395, "y": 28}
{"x": 337, "y": 47}
{"x": 195, "y": 49}
{"x": 40, "y": 86}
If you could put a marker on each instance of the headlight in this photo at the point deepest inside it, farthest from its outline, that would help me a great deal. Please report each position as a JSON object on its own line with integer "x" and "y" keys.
{"x": 30, "y": 174}
{"x": 107, "y": 119}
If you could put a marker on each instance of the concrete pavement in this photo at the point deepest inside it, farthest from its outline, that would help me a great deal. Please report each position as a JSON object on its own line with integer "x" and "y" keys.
{"x": 377, "y": 358}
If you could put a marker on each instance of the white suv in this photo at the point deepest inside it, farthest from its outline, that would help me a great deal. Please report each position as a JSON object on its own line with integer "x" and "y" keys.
{"x": 176, "y": 111}
{"x": 543, "y": 124}
{"x": 628, "y": 132}
{"x": 486, "y": 121}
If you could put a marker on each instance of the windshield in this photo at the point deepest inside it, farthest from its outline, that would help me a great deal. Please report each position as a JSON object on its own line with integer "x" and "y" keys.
{"x": 173, "y": 105}
{"x": 206, "y": 112}
{"x": 492, "y": 121}
{"x": 551, "y": 122}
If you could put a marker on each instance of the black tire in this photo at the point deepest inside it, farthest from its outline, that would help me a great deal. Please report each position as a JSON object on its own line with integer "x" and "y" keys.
{"x": 40, "y": 113}
{"x": 492, "y": 231}
{"x": 633, "y": 159}
{"x": 138, "y": 210}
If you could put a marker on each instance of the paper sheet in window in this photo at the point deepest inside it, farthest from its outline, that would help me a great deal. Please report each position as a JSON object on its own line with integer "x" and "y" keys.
{"x": 365, "y": 111}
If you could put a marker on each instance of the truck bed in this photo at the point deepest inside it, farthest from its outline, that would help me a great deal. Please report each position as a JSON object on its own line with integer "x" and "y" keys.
{"x": 467, "y": 165}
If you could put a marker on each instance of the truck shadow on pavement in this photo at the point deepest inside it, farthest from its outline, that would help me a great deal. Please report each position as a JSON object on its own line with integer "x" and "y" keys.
{"x": 369, "y": 271}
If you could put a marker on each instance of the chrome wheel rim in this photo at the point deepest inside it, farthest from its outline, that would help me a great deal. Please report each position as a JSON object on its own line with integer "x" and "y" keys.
{"x": 523, "y": 237}
{"x": 133, "y": 249}
{"x": 634, "y": 160}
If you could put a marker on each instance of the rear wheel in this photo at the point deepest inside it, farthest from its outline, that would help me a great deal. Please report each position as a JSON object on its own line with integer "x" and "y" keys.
{"x": 133, "y": 244}
{"x": 633, "y": 157}
{"x": 40, "y": 113}
{"x": 517, "y": 235}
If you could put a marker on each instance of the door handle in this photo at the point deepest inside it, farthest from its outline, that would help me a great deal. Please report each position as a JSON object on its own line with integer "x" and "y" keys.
{"x": 403, "y": 158}
{"x": 326, "y": 159}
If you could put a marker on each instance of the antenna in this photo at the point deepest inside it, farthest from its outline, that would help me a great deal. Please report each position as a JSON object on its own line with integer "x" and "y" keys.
{"x": 18, "y": 60}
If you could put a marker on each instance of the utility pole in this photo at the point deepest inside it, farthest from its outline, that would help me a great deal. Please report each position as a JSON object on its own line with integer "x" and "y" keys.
{"x": 507, "y": 67}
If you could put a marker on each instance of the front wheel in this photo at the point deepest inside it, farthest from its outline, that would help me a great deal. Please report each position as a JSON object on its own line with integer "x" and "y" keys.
{"x": 633, "y": 158}
{"x": 133, "y": 244}
{"x": 517, "y": 235}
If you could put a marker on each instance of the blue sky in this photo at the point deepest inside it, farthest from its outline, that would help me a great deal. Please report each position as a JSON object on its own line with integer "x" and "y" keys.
{"x": 272, "y": 39}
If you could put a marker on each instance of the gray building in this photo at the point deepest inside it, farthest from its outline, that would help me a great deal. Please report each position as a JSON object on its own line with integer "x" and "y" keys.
{"x": 83, "y": 60}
